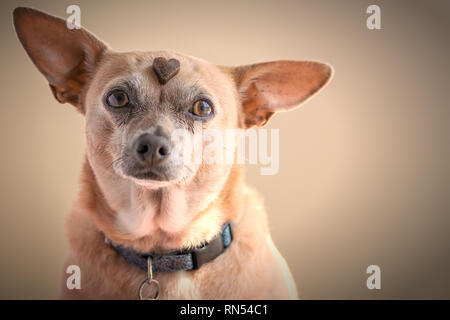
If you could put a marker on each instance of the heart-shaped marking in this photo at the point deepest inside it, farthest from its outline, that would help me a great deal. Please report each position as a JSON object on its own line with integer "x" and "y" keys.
{"x": 165, "y": 69}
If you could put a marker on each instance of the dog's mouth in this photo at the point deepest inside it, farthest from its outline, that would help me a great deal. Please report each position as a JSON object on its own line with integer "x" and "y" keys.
{"x": 145, "y": 175}
{"x": 150, "y": 175}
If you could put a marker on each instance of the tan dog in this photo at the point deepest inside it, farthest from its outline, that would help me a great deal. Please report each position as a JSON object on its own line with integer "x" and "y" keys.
{"x": 134, "y": 194}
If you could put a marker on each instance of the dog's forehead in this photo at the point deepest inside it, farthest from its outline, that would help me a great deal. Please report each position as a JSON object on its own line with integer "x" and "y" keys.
{"x": 119, "y": 65}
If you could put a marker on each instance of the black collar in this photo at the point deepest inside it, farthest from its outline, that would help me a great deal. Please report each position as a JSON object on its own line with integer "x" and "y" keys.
{"x": 180, "y": 260}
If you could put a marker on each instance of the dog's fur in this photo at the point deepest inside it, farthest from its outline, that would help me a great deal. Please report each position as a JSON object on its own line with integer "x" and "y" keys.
{"x": 190, "y": 206}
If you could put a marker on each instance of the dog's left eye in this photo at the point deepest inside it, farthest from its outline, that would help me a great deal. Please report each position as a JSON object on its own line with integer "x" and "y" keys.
{"x": 117, "y": 99}
{"x": 201, "y": 108}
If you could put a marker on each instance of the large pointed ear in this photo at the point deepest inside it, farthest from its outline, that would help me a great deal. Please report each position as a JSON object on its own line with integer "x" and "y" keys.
{"x": 64, "y": 56}
{"x": 266, "y": 88}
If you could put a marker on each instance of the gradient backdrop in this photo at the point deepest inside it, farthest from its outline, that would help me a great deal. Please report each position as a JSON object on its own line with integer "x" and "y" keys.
{"x": 364, "y": 174}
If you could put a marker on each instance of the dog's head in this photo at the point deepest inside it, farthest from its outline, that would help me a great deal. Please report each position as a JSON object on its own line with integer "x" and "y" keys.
{"x": 136, "y": 103}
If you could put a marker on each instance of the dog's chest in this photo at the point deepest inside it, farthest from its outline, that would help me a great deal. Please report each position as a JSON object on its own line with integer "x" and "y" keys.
{"x": 180, "y": 286}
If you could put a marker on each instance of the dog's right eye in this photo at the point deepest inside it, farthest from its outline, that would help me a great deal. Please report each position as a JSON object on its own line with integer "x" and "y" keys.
{"x": 117, "y": 99}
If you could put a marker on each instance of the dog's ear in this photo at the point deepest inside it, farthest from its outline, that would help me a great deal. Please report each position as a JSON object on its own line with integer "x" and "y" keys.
{"x": 266, "y": 88}
{"x": 64, "y": 56}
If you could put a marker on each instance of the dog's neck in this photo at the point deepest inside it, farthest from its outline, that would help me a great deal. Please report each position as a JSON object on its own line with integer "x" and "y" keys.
{"x": 164, "y": 219}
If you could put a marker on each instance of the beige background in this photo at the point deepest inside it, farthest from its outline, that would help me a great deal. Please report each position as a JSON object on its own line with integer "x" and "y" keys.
{"x": 364, "y": 174}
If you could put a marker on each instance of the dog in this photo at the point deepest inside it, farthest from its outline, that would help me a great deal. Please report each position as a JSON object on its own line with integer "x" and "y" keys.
{"x": 145, "y": 225}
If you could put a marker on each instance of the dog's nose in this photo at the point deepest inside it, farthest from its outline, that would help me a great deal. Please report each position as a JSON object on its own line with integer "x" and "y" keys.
{"x": 151, "y": 148}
